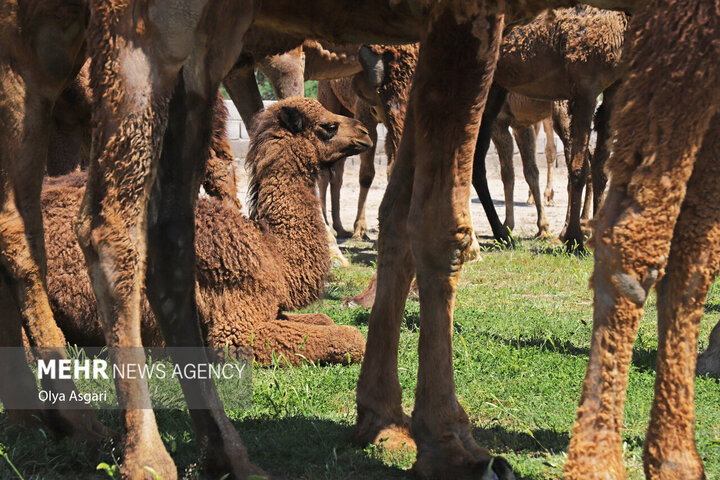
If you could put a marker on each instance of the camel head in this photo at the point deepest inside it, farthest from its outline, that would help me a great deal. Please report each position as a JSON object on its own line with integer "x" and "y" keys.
{"x": 316, "y": 136}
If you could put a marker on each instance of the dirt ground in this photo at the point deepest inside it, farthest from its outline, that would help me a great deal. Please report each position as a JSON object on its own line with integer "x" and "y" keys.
{"x": 525, "y": 213}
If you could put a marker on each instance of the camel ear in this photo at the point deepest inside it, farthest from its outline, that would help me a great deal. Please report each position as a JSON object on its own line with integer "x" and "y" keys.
{"x": 291, "y": 119}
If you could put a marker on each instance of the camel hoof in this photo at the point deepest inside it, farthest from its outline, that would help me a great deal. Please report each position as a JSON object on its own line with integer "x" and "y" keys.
{"x": 340, "y": 232}
{"x": 373, "y": 429}
{"x": 337, "y": 258}
{"x": 360, "y": 232}
{"x": 148, "y": 464}
{"x": 461, "y": 467}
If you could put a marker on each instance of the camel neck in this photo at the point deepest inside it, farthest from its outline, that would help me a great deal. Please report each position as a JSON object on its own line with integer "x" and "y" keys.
{"x": 285, "y": 206}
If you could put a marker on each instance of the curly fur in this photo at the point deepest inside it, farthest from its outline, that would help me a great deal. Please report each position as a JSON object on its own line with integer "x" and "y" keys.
{"x": 247, "y": 270}
{"x": 69, "y": 147}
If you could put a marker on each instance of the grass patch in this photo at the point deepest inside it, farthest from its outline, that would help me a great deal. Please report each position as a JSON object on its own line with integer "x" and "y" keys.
{"x": 521, "y": 339}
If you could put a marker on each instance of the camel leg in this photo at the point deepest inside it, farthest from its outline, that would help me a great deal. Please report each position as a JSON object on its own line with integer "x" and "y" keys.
{"x": 170, "y": 279}
{"x": 439, "y": 227}
{"x": 323, "y": 182}
{"x": 550, "y": 159}
{"x": 242, "y": 87}
{"x": 587, "y": 201}
{"x": 581, "y": 109}
{"x": 694, "y": 260}
{"x": 526, "y": 139}
{"x": 285, "y": 73}
{"x": 379, "y": 408}
{"x": 336, "y": 182}
{"x": 602, "y": 148}
{"x": 504, "y": 145}
{"x": 18, "y": 390}
{"x": 22, "y": 243}
{"x": 536, "y": 132}
{"x": 132, "y": 87}
{"x": 367, "y": 172}
{"x": 495, "y": 102}
{"x": 649, "y": 172}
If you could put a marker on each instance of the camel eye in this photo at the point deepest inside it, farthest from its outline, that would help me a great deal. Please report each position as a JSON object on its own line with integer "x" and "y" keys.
{"x": 328, "y": 130}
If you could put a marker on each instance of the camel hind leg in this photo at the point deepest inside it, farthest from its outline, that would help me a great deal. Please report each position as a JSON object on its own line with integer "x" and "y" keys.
{"x": 23, "y": 154}
{"x": 367, "y": 168}
{"x": 503, "y": 141}
{"x": 526, "y": 139}
{"x": 649, "y": 173}
{"x": 379, "y": 395}
{"x": 581, "y": 109}
{"x": 692, "y": 266}
{"x": 550, "y": 159}
{"x": 440, "y": 235}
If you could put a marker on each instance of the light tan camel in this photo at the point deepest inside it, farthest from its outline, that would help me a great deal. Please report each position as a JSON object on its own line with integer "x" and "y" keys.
{"x": 659, "y": 225}
{"x": 524, "y": 115}
{"x": 248, "y": 270}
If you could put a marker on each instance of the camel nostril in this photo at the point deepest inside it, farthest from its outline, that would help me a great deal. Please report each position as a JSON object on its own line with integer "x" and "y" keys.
{"x": 363, "y": 130}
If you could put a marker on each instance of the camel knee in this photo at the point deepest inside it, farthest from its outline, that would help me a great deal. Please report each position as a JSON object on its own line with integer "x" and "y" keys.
{"x": 445, "y": 251}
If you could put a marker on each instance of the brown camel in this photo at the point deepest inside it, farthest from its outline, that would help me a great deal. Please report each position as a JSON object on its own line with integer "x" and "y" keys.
{"x": 248, "y": 271}
{"x": 568, "y": 54}
{"x": 372, "y": 96}
{"x": 524, "y": 115}
{"x": 658, "y": 225}
{"x": 40, "y": 51}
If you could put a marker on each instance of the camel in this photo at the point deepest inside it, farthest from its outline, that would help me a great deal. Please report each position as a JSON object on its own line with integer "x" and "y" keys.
{"x": 377, "y": 94}
{"x": 568, "y": 54}
{"x": 657, "y": 226}
{"x": 525, "y": 115}
{"x": 248, "y": 271}
{"x": 129, "y": 114}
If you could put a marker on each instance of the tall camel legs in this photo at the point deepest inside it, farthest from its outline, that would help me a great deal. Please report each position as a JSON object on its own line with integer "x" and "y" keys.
{"x": 34, "y": 68}
{"x": 439, "y": 155}
{"x": 133, "y": 86}
{"x": 581, "y": 107}
{"x": 647, "y": 218}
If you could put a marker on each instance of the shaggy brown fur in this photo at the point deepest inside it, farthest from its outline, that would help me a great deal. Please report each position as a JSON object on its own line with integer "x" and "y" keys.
{"x": 568, "y": 54}
{"x": 69, "y": 146}
{"x": 659, "y": 225}
{"x": 244, "y": 281}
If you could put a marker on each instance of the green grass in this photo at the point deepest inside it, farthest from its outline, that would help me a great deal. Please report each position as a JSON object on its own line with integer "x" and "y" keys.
{"x": 521, "y": 340}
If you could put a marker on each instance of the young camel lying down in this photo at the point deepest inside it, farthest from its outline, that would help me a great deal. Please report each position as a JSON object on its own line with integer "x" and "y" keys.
{"x": 249, "y": 270}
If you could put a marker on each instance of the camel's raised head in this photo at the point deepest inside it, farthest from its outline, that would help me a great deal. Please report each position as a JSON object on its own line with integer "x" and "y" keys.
{"x": 312, "y": 129}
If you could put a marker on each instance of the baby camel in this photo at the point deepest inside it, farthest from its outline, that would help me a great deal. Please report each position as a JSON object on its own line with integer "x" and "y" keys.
{"x": 248, "y": 270}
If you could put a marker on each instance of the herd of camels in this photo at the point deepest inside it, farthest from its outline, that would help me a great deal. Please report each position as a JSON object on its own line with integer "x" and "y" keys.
{"x": 155, "y": 71}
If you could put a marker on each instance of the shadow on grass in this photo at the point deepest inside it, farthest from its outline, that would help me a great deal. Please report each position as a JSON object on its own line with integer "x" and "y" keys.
{"x": 302, "y": 447}
{"x": 503, "y": 441}
{"x": 643, "y": 359}
{"x": 363, "y": 253}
